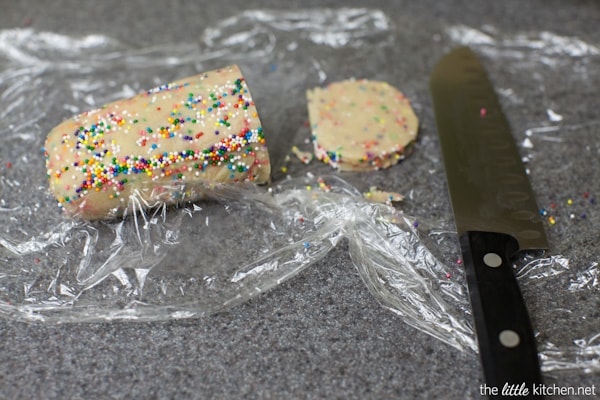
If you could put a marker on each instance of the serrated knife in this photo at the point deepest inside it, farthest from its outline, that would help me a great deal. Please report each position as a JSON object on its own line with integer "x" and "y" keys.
{"x": 495, "y": 214}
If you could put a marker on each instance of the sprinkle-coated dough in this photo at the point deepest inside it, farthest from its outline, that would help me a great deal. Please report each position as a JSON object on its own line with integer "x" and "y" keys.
{"x": 158, "y": 146}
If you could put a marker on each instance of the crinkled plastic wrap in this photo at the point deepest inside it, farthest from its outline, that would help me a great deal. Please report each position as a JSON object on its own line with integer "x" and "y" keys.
{"x": 202, "y": 257}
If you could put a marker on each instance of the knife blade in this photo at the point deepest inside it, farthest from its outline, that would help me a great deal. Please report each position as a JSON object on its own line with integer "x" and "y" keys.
{"x": 495, "y": 214}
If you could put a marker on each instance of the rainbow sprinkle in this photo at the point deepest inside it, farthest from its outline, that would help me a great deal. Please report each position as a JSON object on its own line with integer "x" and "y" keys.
{"x": 576, "y": 209}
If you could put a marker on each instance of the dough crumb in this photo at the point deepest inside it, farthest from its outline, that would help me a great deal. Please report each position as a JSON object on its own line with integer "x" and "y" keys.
{"x": 304, "y": 156}
{"x": 380, "y": 196}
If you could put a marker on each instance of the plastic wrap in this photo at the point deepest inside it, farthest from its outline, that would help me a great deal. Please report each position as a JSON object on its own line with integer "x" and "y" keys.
{"x": 202, "y": 257}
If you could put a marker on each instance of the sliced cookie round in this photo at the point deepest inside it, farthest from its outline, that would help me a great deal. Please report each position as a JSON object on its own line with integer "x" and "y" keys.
{"x": 360, "y": 125}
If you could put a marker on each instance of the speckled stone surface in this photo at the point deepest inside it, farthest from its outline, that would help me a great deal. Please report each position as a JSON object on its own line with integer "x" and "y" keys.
{"x": 320, "y": 335}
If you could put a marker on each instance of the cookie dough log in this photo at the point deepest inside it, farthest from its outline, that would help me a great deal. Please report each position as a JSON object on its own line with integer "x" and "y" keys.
{"x": 360, "y": 125}
{"x": 165, "y": 145}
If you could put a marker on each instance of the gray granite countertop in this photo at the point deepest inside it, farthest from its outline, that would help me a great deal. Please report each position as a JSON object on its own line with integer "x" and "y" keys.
{"x": 321, "y": 335}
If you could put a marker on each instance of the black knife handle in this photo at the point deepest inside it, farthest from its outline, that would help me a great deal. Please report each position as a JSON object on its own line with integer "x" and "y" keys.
{"x": 506, "y": 342}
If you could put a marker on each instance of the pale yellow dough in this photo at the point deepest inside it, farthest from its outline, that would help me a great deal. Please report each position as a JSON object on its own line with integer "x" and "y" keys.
{"x": 380, "y": 196}
{"x": 169, "y": 144}
{"x": 360, "y": 124}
